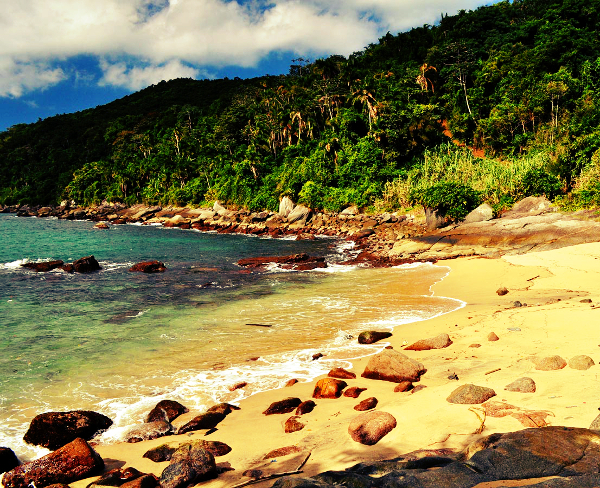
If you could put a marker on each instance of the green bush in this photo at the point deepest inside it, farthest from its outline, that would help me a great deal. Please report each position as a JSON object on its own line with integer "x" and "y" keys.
{"x": 454, "y": 200}
{"x": 538, "y": 182}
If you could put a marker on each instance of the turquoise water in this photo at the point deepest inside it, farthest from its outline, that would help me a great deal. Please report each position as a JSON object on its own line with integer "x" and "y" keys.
{"x": 118, "y": 342}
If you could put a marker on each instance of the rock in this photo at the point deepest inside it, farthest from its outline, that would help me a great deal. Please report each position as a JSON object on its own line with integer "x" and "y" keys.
{"x": 417, "y": 389}
{"x": 299, "y": 214}
{"x": 366, "y": 404}
{"x": 253, "y": 473}
{"x": 492, "y": 337}
{"x": 586, "y": 300}
{"x": 372, "y": 336}
{"x": 471, "y": 394}
{"x": 8, "y": 460}
{"x": 238, "y": 386}
{"x": 529, "y": 418}
{"x": 305, "y": 407}
{"x": 286, "y": 205}
{"x": 475, "y": 345}
{"x": 143, "y": 481}
{"x": 403, "y": 386}
{"x": 352, "y": 210}
{"x": 148, "y": 267}
{"x": 482, "y": 213}
{"x": 354, "y": 392}
{"x": 207, "y": 420}
{"x": 167, "y": 410}
{"x": 595, "y": 425}
{"x": 45, "y": 266}
{"x": 291, "y": 382}
{"x": 291, "y": 260}
{"x": 370, "y": 427}
{"x": 117, "y": 477}
{"x": 517, "y": 304}
{"x": 502, "y": 291}
{"x": 341, "y": 373}
{"x": 148, "y": 431}
{"x": 550, "y": 363}
{"x": 282, "y": 451}
{"x": 102, "y": 225}
{"x": 73, "y": 461}
{"x": 581, "y": 362}
{"x": 329, "y": 388}
{"x": 160, "y": 453}
{"x": 522, "y": 385}
{"x": 528, "y": 206}
{"x": 283, "y": 406}
{"x": 438, "y": 342}
{"x": 434, "y": 220}
{"x": 390, "y": 365}
{"x": 55, "y": 429}
{"x": 178, "y": 475}
{"x": 224, "y": 408}
{"x": 317, "y": 356}
{"x": 293, "y": 425}
{"x": 86, "y": 264}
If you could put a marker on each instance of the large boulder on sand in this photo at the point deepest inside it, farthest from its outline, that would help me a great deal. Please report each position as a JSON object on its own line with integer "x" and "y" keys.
{"x": 8, "y": 460}
{"x": 438, "y": 342}
{"x": 193, "y": 466}
{"x": 166, "y": 410}
{"x": 551, "y": 363}
{"x": 329, "y": 388}
{"x": 390, "y": 365}
{"x": 55, "y": 429}
{"x": 471, "y": 394}
{"x": 74, "y": 461}
{"x": 286, "y": 405}
{"x": 581, "y": 362}
{"x": 370, "y": 427}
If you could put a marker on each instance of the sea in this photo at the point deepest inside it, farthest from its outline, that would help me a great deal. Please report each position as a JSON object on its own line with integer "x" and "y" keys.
{"x": 118, "y": 342}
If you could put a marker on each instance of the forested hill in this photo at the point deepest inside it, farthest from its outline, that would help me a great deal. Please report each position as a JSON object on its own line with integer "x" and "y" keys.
{"x": 488, "y": 105}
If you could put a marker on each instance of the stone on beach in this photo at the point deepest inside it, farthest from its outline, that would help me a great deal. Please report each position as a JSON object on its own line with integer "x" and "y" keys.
{"x": 293, "y": 425}
{"x": 329, "y": 388}
{"x": 148, "y": 267}
{"x": 595, "y": 425}
{"x": 166, "y": 410}
{"x": 438, "y": 342}
{"x": 390, "y": 365}
{"x": 470, "y": 394}
{"x": 305, "y": 407}
{"x": 372, "y": 336}
{"x": 353, "y": 392}
{"x": 550, "y": 363}
{"x": 370, "y": 427}
{"x": 522, "y": 385}
{"x": 581, "y": 362}
{"x": 207, "y": 420}
{"x": 403, "y": 386}
{"x": 187, "y": 472}
{"x": 148, "y": 431}
{"x": 502, "y": 291}
{"x": 286, "y": 405}
{"x": 492, "y": 337}
{"x": 8, "y": 460}
{"x": 224, "y": 408}
{"x": 55, "y": 429}
{"x": 367, "y": 404}
{"x": 73, "y": 461}
{"x": 341, "y": 373}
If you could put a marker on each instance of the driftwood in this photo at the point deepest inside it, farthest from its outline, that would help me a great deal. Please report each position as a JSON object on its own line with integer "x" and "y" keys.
{"x": 298, "y": 470}
{"x": 261, "y": 325}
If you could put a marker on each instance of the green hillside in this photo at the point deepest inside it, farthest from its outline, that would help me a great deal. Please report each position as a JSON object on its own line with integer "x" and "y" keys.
{"x": 489, "y": 105}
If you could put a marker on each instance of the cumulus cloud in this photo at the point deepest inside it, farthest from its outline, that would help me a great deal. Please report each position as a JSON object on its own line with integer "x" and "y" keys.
{"x": 179, "y": 37}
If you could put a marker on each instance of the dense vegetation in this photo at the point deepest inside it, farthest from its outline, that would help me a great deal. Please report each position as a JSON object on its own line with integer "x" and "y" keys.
{"x": 489, "y": 105}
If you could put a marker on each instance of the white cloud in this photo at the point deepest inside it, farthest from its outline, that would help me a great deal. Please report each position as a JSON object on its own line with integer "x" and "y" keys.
{"x": 169, "y": 36}
{"x": 135, "y": 78}
{"x": 19, "y": 77}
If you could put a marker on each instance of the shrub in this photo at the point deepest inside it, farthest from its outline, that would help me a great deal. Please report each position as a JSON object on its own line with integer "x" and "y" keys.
{"x": 451, "y": 199}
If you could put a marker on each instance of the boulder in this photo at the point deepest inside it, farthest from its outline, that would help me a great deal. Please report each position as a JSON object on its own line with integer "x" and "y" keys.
{"x": 366, "y": 404}
{"x": 438, "y": 342}
{"x": 148, "y": 431}
{"x": 390, "y": 365}
{"x": 522, "y": 385}
{"x": 353, "y": 392}
{"x": 341, "y": 373}
{"x": 291, "y": 382}
{"x": 148, "y": 267}
{"x": 286, "y": 205}
{"x": 159, "y": 454}
{"x": 73, "y": 461}
{"x": 372, "y": 336}
{"x": 299, "y": 214}
{"x": 595, "y": 425}
{"x": 207, "y": 420}
{"x": 550, "y": 363}
{"x": 370, "y": 427}
{"x": 55, "y": 429}
{"x": 305, "y": 407}
{"x": 527, "y": 207}
{"x": 329, "y": 388}
{"x": 102, "y": 226}
{"x": 470, "y": 394}
{"x": 352, "y": 210}
{"x": 502, "y": 291}
{"x": 87, "y": 264}
{"x": 403, "y": 386}
{"x": 8, "y": 460}
{"x": 293, "y": 425}
{"x": 293, "y": 259}
{"x": 44, "y": 266}
{"x": 482, "y": 213}
{"x": 224, "y": 408}
{"x": 581, "y": 362}
{"x": 435, "y": 220}
{"x": 167, "y": 410}
{"x": 283, "y": 406}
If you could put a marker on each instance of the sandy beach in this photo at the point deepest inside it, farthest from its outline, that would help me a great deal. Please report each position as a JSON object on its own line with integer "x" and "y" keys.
{"x": 556, "y": 318}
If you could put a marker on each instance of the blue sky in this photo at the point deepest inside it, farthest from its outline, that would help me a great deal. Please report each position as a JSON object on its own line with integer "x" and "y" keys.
{"x": 61, "y": 56}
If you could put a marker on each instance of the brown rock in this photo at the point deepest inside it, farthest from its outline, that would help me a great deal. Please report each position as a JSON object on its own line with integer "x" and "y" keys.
{"x": 341, "y": 373}
{"x": 293, "y": 425}
{"x": 329, "y": 388}
{"x": 291, "y": 382}
{"x": 74, "y": 461}
{"x": 492, "y": 337}
{"x": 167, "y": 410}
{"x": 417, "y": 389}
{"x": 366, "y": 404}
{"x": 403, "y": 386}
{"x": 353, "y": 392}
{"x": 8, "y": 460}
{"x": 101, "y": 225}
{"x": 370, "y": 427}
{"x": 390, "y": 365}
{"x": 282, "y": 451}
{"x": 252, "y": 473}
{"x": 372, "y": 336}
{"x": 305, "y": 407}
{"x": 86, "y": 264}
{"x": 239, "y": 385}
{"x": 148, "y": 431}
{"x": 317, "y": 356}
{"x": 207, "y": 420}
{"x": 224, "y": 408}
{"x": 283, "y": 406}
{"x": 581, "y": 362}
{"x": 159, "y": 454}
{"x": 143, "y": 481}
{"x": 43, "y": 267}
{"x": 522, "y": 385}
{"x": 550, "y": 363}
{"x": 148, "y": 267}
{"x": 475, "y": 346}
{"x": 502, "y": 291}
{"x": 438, "y": 342}
{"x": 595, "y": 425}
{"x": 471, "y": 394}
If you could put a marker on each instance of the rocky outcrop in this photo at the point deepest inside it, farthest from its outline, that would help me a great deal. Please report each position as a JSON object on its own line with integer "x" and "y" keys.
{"x": 87, "y": 264}
{"x": 370, "y": 427}
{"x": 74, "y": 461}
{"x": 295, "y": 261}
{"x": 43, "y": 267}
{"x": 166, "y": 410}
{"x": 55, "y": 429}
{"x": 149, "y": 267}
{"x": 390, "y": 365}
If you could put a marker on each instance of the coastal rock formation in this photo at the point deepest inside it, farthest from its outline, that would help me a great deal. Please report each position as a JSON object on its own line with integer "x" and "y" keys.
{"x": 528, "y": 418}
{"x": 550, "y": 363}
{"x": 8, "y": 460}
{"x": 74, "y": 461}
{"x": 522, "y": 385}
{"x": 329, "y": 388}
{"x": 581, "y": 362}
{"x": 127, "y": 478}
{"x": 55, "y": 429}
{"x": 224, "y": 408}
{"x": 207, "y": 420}
{"x": 370, "y": 427}
{"x": 471, "y": 394}
{"x": 283, "y": 406}
{"x": 481, "y": 214}
{"x": 354, "y": 392}
{"x": 45, "y": 266}
{"x": 305, "y": 407}
{"x": 372, "y": 336}
{"x": 367, "y": 404}
{"x": 87, "y": 264}
{"x": 298, "y": 262}
{"x": 166, "y": 452}
{"x": 342, "y": 374}
{"x": 148, "y": 431}
{"x": 149, "y": 267}
{"x": 438, "y": 342}
{"x": 390, "y": 365}
{"x": 166, "y": 410}
{"x": 186, "y": 471}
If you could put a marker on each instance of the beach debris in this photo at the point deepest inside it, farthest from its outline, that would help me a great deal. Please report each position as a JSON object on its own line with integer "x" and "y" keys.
{"x": 149, "y": 267}
{"x": 207, "y": 420}
{"x": 305, "y": 407}
{"x": 8, "y": 460}
{"x": 286, "y": 405}
{"x": 317, "y": 356}
{"x": 595, "y": 425}
{"x": 372, "y": 336}
{"x": 470, "y": 394}
{"x": 390, "y": 365}
{"x": 438, "y": 342}
{"x": 238, "y": 386}
{"x": 550, "y": 363}
{"x": 55, "y": 429}
{"x": 354, "y": 391}
{"x": 167, "y": 410}
{"x": 261, "y": 325}
{"x": 453, "y": 376}
{"x": 522, "y": 385}
{"x": 189, "y": 468}
{"x": 493, "y": 371}
{"x": 329, "y": 388}
{"x": 341, "y": 373}
{"x": 370, "y": 427}
{"x": 492, "y": 337}
{"x": 502, "y": 291}
{"x": 293, "y": 425}
{"x": 514, "y": 329}
{"x": 291, "y": 382}
{"x": 367, "y": 404}
{"x": 148, "y": 431}
{"x": 581, "y": 362}
{"x": 71, "y": 462}
{"x": 403, "y": 386}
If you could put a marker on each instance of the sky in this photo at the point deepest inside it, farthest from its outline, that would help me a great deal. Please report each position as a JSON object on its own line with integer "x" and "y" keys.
{"x": 61, "y": 56}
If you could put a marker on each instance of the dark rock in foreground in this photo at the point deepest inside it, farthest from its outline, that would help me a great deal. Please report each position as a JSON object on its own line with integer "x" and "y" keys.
{"x": 166, "y": 410}
{"x": 283, "y": 406}
{"x": 8, "y": 460}
{"x": 372, "y": 336}
{"x": 55, "y": 429}
{"x": 189, "y": 465}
